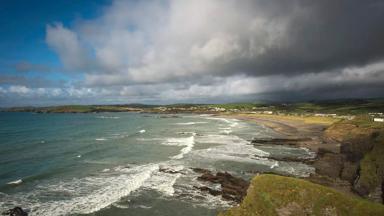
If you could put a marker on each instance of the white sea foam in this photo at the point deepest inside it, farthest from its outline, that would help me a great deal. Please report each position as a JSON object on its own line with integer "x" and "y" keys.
{"x": 100, "y": 139}
{"x": 296, "y": 169}
{"x": 276, "y": 164}
{"x": 225, "y": 130}
{"x": 188, "y": 142}
{"x": 205, "y": 115}
{"x": 179, "y": 141}
{"x": 232, "y": 123}
{"x": 230, "y": 148}
{"x": 310, "y": 154}
{"x": 142, "y": 131}
{"x": 144, "y": 207}
{"x": 121, "y": 206}
{"x": 190, "y": 123}
{"x": 16, "y": 182}
{"x": 187, "y": 192}
{"x": 219, "y": 119}
{"x": 150, "y": 139}
{"x": 108, "y": 117}
{"x": 87, "y": 194}
{"x": 183, "y": 151}
{"x": 163, "y": 182}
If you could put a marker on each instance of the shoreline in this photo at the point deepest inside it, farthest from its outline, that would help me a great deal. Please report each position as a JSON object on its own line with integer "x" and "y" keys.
{"x": 298, "y": 133}
{"x": 304, "y": 134}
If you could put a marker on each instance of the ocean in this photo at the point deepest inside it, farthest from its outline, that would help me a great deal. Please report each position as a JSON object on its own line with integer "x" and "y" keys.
{"x": 111, "y": 163}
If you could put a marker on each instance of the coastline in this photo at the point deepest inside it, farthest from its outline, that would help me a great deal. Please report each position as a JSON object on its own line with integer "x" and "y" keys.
{"x": 301, "y": 133}
{"x": 292, "y": 131}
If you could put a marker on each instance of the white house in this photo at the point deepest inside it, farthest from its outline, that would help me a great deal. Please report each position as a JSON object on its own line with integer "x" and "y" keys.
{"x": 378, "y": 119}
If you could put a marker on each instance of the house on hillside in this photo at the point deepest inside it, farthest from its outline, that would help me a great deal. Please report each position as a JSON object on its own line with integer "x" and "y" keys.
{"x": 378, "y": 119}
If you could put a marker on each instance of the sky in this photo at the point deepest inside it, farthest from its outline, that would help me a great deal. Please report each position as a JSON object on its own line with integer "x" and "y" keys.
{"x": 190, "y": 51}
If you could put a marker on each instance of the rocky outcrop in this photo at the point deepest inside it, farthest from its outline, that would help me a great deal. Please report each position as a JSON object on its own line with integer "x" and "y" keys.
{"x": 330, "y": 164}
{"x": 169, "y": 170}
{"x": 362, "y": 149}
{"x": 232, "y": 188}
{"x": 17, "y": 211}
{"x": 349, "y": 171}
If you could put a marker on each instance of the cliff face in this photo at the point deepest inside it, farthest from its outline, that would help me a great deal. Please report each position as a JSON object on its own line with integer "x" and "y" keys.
{"x": 361, "y": 158}
{"x": 283, "y": 196}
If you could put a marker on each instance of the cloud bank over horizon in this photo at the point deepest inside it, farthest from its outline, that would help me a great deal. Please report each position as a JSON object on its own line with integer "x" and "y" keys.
{"x": 211, "y": 51}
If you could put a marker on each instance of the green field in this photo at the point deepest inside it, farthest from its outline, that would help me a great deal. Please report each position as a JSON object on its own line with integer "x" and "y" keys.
{"x": 274, "y": 195}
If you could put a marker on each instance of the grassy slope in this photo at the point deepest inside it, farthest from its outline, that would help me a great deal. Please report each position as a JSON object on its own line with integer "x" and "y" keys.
{"x": 278, "y": 195}
{"x": 304, "y": 119}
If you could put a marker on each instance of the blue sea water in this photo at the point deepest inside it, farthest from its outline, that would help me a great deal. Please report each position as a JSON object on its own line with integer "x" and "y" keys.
{"x": 113, "y": 163}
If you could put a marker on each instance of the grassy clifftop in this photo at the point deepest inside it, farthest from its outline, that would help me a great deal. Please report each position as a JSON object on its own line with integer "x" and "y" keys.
{"x": 277, "y": 195}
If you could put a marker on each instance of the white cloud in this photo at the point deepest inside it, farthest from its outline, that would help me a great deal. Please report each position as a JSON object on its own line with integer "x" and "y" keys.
{"x": 21, "y": 90}
{"x": 67, "y": 44}
{"x": 150, "y": 41}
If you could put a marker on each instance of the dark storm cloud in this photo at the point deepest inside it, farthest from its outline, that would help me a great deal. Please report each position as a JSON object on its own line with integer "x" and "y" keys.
{"x": 322, "y": 35}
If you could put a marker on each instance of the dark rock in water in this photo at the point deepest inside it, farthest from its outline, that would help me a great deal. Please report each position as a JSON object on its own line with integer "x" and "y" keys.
{"x": 208, "y": 177}
{"x": 210, "y": 190}
{"x": 232, "y": 188}
{"x": 169, "y": 116}
{"x": 200, "y": 170}
{"x": 17, "y": 211}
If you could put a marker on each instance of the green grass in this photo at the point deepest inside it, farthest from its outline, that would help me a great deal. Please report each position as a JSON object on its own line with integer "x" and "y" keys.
{"x": 272, "y": 195}
{"x": 304, "y": 119}
{"x": 72, "y": 108}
